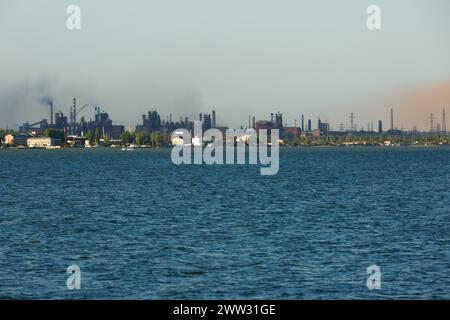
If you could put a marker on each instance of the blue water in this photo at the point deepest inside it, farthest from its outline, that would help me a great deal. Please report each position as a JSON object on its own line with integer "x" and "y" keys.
{"x": 140, "y": 227}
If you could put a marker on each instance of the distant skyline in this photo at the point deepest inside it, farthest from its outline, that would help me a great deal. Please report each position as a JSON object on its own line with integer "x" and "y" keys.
{"x": 237, "y": 57}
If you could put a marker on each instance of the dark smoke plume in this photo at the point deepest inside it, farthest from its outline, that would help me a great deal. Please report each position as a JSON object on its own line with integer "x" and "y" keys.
{"x": 46, "y": 100}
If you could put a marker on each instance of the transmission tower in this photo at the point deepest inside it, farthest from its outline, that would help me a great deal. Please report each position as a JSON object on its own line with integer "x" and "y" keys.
{"x": 352, "y": 121}
{"x": 431, "y": 123}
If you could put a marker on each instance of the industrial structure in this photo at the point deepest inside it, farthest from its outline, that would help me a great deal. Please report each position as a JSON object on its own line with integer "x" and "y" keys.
{"x": 101, "y": 126}
{"x": 73, "y": 129}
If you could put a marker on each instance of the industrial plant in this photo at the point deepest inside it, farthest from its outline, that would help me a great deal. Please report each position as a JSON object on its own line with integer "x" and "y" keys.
{"x": 58, "y": 130}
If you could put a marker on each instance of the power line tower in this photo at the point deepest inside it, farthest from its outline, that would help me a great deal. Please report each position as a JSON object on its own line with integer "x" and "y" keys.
{"x": 352, "y": 121}
{"x": 341, "y": 127}
{"x": 431, "y": 123}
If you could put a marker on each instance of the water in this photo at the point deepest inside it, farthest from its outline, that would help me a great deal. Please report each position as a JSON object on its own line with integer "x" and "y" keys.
{"x": 140, "y": 227}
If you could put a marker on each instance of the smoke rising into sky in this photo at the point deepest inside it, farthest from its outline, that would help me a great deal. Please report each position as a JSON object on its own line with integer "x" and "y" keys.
{"x": 46, "y": 100}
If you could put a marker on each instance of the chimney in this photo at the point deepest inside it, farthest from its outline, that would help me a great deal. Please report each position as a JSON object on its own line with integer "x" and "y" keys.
{"x": 392, "y": 119}
{"x": 51, "y": 113}
{"x": 74, "y": 110}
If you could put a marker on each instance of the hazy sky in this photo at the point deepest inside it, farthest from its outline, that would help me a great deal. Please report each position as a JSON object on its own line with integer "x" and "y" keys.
{"x": 236, "y": 56}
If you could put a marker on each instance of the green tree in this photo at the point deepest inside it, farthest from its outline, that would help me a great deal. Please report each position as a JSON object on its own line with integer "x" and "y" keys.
{"x": 55, "y": 134}
{"x": 89, "y": 136}
{"x": 138, "y": 138}
{"x": 155, "y": 139}
{"x": 126, "y": 137}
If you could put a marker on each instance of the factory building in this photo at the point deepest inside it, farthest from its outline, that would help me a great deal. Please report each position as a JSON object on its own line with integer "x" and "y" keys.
{"x": 317, "y": 133}
{"x": 273, "y": 123}
{"x": 380, "y": 126}
{"x": 262, "y": 124}
{"x": 101, "y": 126}
{"x": 323, "y": 127}
{"x": 207, "y": 123}
{"x": 291, "y": 132}
{"x": 16, "y": 139}
{"x": 42, "y": 142}
{"x": 76, "y": 141}
{"x": 150, "y": 123}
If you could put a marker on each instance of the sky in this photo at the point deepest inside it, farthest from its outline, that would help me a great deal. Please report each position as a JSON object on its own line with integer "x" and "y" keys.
{"x": 237, "y": 57}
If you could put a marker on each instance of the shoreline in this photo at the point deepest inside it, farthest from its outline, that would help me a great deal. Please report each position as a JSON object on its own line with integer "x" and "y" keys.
{"x": 124, "y": 148}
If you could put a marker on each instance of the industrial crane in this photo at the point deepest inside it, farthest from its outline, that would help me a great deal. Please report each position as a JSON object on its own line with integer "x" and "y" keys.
{"x": 36, "y": 123}
{"x": 81, "y": 109}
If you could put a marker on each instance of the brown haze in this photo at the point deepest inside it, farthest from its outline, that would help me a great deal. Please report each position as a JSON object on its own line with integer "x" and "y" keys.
{"x": 416, "y": 104}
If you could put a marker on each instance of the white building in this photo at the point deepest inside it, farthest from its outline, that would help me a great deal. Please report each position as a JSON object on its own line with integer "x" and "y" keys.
{"x": 42, "y": 142}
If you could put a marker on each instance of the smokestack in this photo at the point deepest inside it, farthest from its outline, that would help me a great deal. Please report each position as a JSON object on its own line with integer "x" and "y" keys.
{"x": 214, "y": 118}
{"x": 271, "y": 117}
{"x": 254, "y": 123}
{"x": 303, "y": 122}
{"x": 51, "y": 113}
{"x": 392, "y": 119}
{"x": 74, "y": 110}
